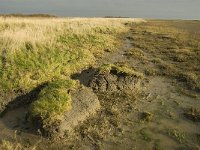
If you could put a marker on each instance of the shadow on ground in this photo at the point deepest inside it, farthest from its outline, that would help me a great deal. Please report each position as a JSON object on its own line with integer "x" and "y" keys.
{"x": 15, "y": 114}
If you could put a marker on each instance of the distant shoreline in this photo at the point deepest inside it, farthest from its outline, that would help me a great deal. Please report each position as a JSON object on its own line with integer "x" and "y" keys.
{"x": 39, "y": 15}
{"x": 28, "y": 15}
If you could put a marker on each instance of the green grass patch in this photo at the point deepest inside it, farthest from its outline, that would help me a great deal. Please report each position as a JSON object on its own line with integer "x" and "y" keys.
{"x": 53, "y": 100}
{"x": 34, "y": 50}
{"x": 119, "y": 69}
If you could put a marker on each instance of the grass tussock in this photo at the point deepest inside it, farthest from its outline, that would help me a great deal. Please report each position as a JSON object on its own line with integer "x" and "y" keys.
{"x": 53, "y": 101}
{"x": 7, "y": 145}
{"x": 192, "y": 114}
{"x": 175, "y": 134}
{"x": 136, "y": 53}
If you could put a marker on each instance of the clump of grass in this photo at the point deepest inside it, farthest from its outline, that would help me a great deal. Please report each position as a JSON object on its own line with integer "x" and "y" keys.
{"x": 157, "y": 145}
{"x": 176, "y": 135}
{"x": 7, "y": 145}
{"x": 156, "y": 60}
{"x": 193, "y": 114}
{"x": 146, "y": 116}
{"x": 179, "y": 58}
{"x": 151, "y": 71}
{"x": 53, "y": 101}
{"x": 136, "y": 53}
{"x": 191, "y": 79}
{"x": 119, "y": 69}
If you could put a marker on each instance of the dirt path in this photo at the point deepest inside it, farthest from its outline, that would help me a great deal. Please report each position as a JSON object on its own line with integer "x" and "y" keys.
{"x": 118, "y": 56}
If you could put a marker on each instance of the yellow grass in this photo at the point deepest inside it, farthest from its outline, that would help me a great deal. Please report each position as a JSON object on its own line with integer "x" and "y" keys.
{"x": 16, "y": 31}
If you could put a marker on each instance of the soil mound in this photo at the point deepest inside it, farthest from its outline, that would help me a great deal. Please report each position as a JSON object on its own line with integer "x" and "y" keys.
{"x": 84, "y": 104}
{"x": 114, "y": 80}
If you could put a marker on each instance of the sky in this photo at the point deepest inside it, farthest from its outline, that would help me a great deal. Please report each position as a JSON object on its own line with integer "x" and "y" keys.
{"x": 162, "y": 9}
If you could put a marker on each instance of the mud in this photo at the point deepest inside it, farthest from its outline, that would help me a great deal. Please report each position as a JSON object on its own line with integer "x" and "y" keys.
{"x": 23, "y": 99}
{"x": 84, "y": 76}
{"x": 118, "y": 55}
{"x": 14, "y": 115}
{"x": 84, "y": 105}
{"x": 113, "y": 81}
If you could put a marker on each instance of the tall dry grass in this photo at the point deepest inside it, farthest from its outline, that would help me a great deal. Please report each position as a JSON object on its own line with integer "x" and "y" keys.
{"x": 14, "y": 32}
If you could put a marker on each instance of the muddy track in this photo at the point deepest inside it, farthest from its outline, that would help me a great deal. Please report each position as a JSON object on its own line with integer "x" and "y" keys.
{"x": 119, "y": 55}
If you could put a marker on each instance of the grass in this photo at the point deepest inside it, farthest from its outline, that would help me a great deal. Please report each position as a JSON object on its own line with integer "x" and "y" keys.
{"x": 35, "y": 50}
{"x": 6, "y": 145}
{"x": 193, "y": 114}
{"x": 119, "y": 69}
{"x": 144, "y": 135}
{"x": 136, "y": 53}
{"x": 176, "y": 135}
{"x": 53, "y": 101}
{"x": 16, "y": 144}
